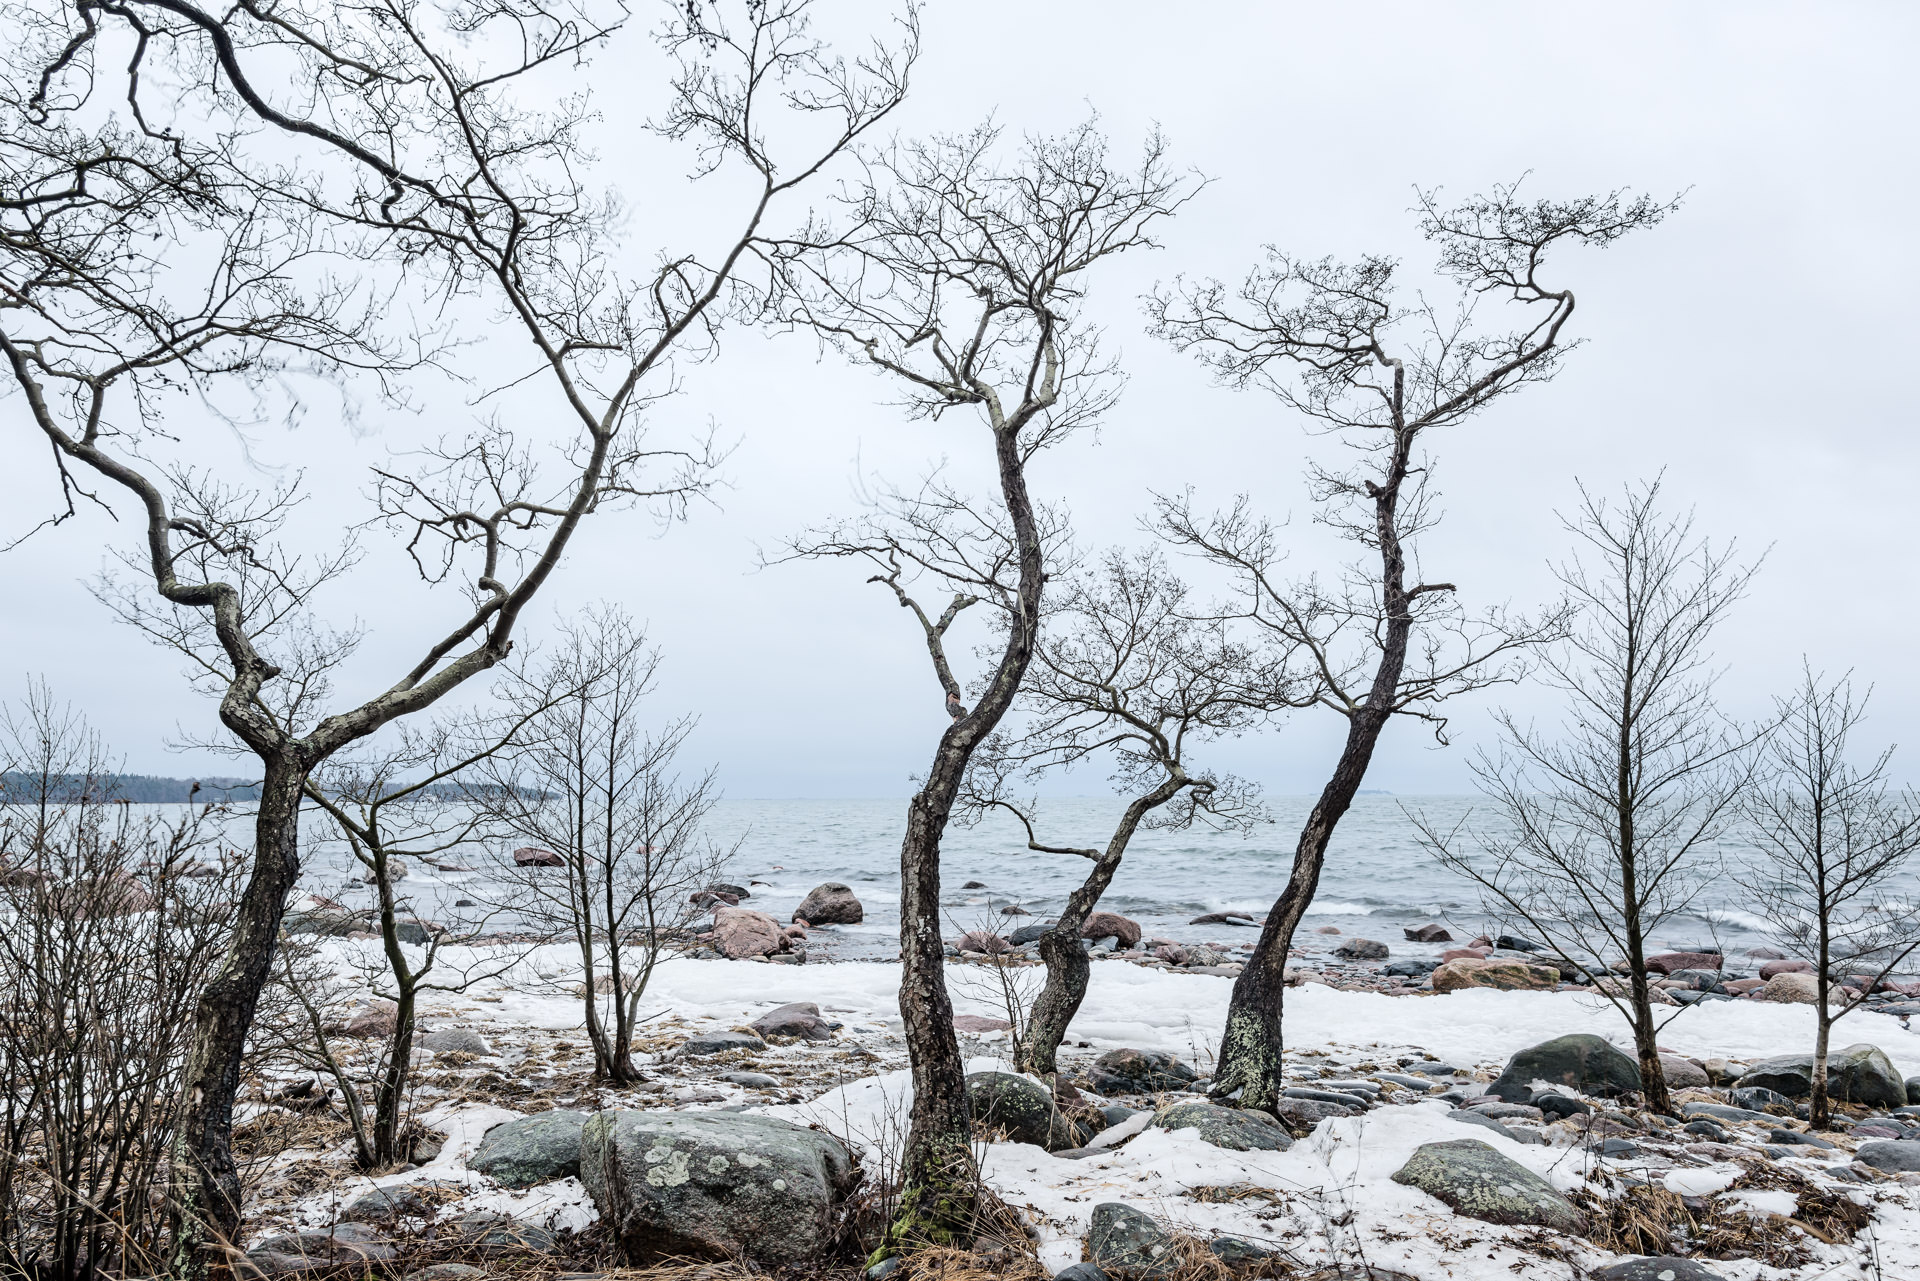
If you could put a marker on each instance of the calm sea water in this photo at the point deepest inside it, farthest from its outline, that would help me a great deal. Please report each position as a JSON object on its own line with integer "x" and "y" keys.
{"x": 1377, "y": 878}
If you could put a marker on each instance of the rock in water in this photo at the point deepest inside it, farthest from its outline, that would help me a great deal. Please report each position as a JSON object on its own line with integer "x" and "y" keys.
{"x": 1666, "y": 1267}
{"x": 533, "y": 1149}
{"x": 1857, "y": 1074}
{"x": 1227, "y": 1127}
{"x": 1023, "y": 1110}
{"x": 1433, "y": 933}
{"x": 1111, "y": 925}
{"x": 740, "y": 932}
{"x": 1583, "y": 1061}
{"x": 798, "y": 1018}
{"x": 1124, "y": 1242}
{"x": 1480, "y": 1183}
{"x": 714, "y": 1185}
{"x": 1139, "y": 1072}
{"x": 1508, "y": 976}
{"x": 1362, "y": 950}
{"x": 830, "y": 904}
{"x": 533, "y": 856}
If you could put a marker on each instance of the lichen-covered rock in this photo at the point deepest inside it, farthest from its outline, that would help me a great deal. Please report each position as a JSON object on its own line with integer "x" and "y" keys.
{"x": 1139, "y": 1072}
{"x": 1002, "y": 1103}
{"x": 1666, "y": 1267}
{"x": 714, "y": 1185}
{"x": 1130, "y": 1244}
{"x": 1227, "y": 1127}
{"x": 1858, "y": 1074}
{"x": 830, "y": 904}
{"x": 1111, "y": 925}
{"x": 531, "y": 1149}
{"x": 797, "y": 1018}
{"x": 1581, "y": 1061}
{"x": 741, "y": 932}
{"x": 1507, "y": 976}
{"x": 1478, "y": 1182}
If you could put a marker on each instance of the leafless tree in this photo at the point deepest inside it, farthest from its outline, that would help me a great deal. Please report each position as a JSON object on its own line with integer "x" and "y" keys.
{"x": 1335, "y": 342}
{"x": 1609, "y": 831}
{"x": 1127, "y": 678}
{"x": 434, "y": 155}
{"x": 957, "y": 274}
{"x": 593, "y": 781}
{"x": 1834, "y": 840}
{"x": 110, "y": 920}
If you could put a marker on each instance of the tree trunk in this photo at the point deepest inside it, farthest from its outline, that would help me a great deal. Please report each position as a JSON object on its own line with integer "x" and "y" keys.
{"x": 1819, "y": 1106}
{"x": 206, "y": 1186}
{"x": 1646, "y": 1045}
{"x": 389, "y": 1095}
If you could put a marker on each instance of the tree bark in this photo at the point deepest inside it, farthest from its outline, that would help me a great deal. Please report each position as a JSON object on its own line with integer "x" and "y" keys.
{"x": 206, "y": 1186}
{"x": 390, "y": 1092}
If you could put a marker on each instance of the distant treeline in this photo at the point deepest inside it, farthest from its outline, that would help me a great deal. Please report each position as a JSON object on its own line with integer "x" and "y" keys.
{"x": 152, "y": 789}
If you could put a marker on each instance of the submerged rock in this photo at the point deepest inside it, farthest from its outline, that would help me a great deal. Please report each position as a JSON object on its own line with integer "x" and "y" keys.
{"x": 1433, "y": 933}
{"x": 714, "y": 1185}
{"x": 532, "y": 1149}
{"x": 1478, "y": 1182}
{"x": 1580, "y": 1061}
{"x": 1229, "y": 1128}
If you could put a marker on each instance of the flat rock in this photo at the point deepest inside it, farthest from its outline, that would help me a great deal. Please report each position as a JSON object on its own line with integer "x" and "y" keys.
{"x": 1130, "y": 1244}
{"x": 1668, "y": 962}
{"x": 714, "y": 1185}
{"x": 1579, "y": 1061}
{"x": 1469, "y": 1116}
{"x": 1664, "y": 1267}
{"x": 1304, "y": 1114}
{"x": 752, "y": 1080}
{"x": 1891, "y": 1156}
{"x": 1001, "y": 1102}
{"x": 447, "y": 1272}
{"x": 531, "y": 1149}
{"x": 978, "y": 1023}
{"x": 720, "y": 1042}
{"x": 1029, "y": 934}
{"x": 1226, "y": 918}
{"x": 1857, "y": 1074}
{"x": 1478, "y": 1182}
{"x": 1231, "y": 1128}
{"x": 830, "y": 904}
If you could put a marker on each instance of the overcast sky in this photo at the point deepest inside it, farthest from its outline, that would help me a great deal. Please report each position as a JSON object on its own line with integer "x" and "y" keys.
{"x": 1757, "y": 348}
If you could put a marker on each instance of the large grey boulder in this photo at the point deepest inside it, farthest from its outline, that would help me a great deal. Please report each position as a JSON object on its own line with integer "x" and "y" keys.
{"x": 1139, "y": 1072}
{"x": 1130, "y": 1244}
{"x": 1021, "y": 1109}
{"x": 714, "y": 1185}
{"x": 1480, "y": 1183}
{"x": 1227, "y": 1127}
{"x": 1893, "y": 1156}
{"x": 532, "y": 1149}
{"x": 1913, "y": 1089}
{"x": 1857, "y": 1074}
{"x": 830, "y": 904}
{"x": 1583, "y": 1061}
{"x": 455, "y": 1040}
{"x": 1664, "y": 1267}
{"x": 797, "y": 1018}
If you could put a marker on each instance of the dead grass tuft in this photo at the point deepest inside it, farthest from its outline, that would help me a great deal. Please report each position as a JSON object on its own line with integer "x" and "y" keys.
{"x": 947, "y": 1263}
{"x": 1641, "y": 1220}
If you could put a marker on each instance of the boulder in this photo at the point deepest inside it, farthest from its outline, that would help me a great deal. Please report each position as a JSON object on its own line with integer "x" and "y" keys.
{"x": 1111, "y": 925}
{"x": 1508, "y": 976}
{"x": 1427, "y": 934}
{"x": 1128, "y": 1243}
{"x": 1890, "y": 1156}
{"x": 455, "y": 1040}
{"x": 1229, "y": 1128}
{"x": 1362, "y": 950}
{"x": 1464, "y": 954}
{"x": 377, "y": 1019}
{"x": 1412, "y": 969}
{"x": 1795, "y": 987}
{"x": 532, "y": 1149}
{"x": 1913, "y": 1089}
{"x": 1668, "y": 962}
{"x": 797, "y": 1018}
{"x": 714, "y": 1185}
{"x": 740, "y": 932}
{"x": 533, "y": 856}
{"x": 1665, "y": 1267}
{"x": 1001, "y": 1102}
{"x": 1579, "y": 1061}
{"x": 1772, "y": 968}
{"x": 1478, "y": 1182}
{"x": 721, "y": 1042}
{"x": 404, "y": 1200}
{"x": 1857, "y": 1074}
{"x": 830, "y": 904}
{"x": 1028, "y": 934}
{"x": 1682, "y": 1074}
{"x": 1139, "y": 1072}
{"x": 983, "y": 941}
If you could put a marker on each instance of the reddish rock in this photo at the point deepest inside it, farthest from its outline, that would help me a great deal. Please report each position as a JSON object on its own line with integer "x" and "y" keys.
{"x": 1327, "y": 929}
{"x": 707, "y": 898}
{"x": 1111, "y": 925}
{"x": 982, "y": 941}
{"x": 830, "y": 904}
{"x": 1173, "y": 954}
{"x": 1508, "y": 976}
{"x": 534, "y": 856}
{"x": 1740, "y": 987}
{"x": 977, "y": 1023}
{"x": 741, "y": 932}
{"x": 377, "y": 1019}
{"x": 1772, "y": 968}
{"x": 1427, "y": 934}
{"x": 1668, "y": 962}
{"x": 1464, "y": 954}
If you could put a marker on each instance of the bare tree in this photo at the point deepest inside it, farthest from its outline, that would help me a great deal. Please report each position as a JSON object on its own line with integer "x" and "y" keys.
{"x": 1127, "y": 678}
{"x": 1335, "y": 343}
{"x": 110, "y": 920}
{"x": 422, "y": 148}
{"x": 1834, "y": 839}
{"x": 1608, "y": 832}
{"x": 593, "y": 782}
{"x": 958, "y": 275}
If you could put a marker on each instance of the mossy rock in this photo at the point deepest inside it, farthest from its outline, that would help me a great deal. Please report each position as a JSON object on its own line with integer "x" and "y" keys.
{"x": 1002, "y": 1103}
{"x": 1227, "y": 1127}
{"x": 1478, "y": 1182}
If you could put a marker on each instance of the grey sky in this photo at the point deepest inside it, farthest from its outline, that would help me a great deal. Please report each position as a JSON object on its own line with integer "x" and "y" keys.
{"x": 1756, "y": 347}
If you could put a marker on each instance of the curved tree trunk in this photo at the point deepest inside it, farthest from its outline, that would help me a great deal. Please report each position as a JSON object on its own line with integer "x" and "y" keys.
{"x": 206, "y": 1186}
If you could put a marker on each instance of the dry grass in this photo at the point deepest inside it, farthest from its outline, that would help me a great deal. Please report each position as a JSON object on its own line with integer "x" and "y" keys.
{"x": 1652, "y": 1220}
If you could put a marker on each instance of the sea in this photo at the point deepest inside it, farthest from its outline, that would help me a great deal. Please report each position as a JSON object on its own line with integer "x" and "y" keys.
{"x": 1377, "y": 881}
